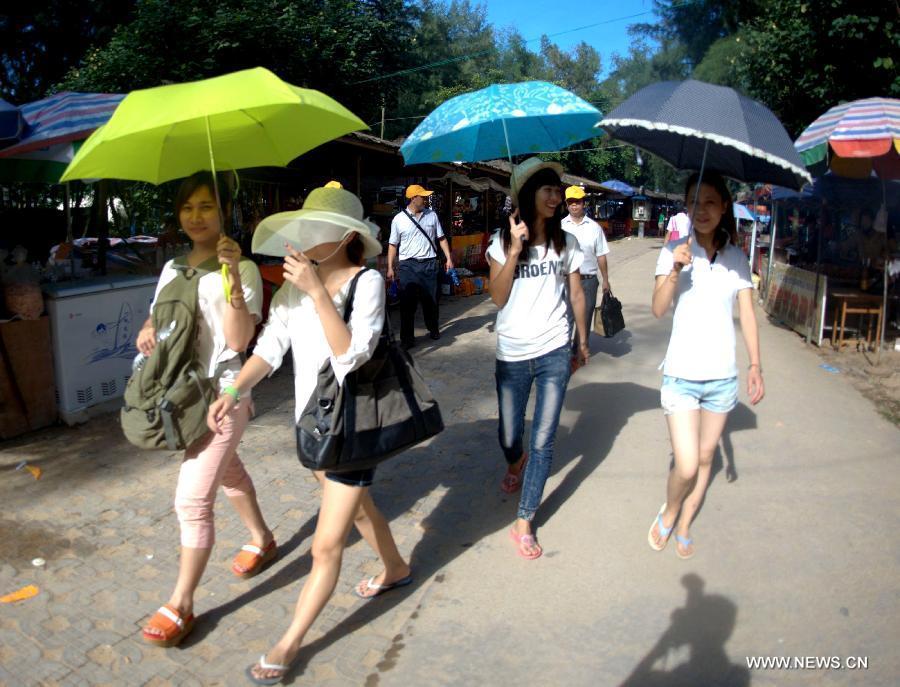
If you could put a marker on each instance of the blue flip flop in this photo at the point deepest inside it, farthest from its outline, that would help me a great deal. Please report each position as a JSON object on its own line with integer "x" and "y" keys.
{"x": 685, "y": 542}
{"x": 663, "y": 531}
{"x": 382, "y": 588}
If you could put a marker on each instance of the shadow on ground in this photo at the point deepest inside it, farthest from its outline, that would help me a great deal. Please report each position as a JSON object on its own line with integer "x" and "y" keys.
{"x": 463, "y": 466}
{"x": 703, "y": 625}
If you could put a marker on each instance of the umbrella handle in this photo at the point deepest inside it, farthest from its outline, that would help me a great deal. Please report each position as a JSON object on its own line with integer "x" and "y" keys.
{"x": 226, "y": 284}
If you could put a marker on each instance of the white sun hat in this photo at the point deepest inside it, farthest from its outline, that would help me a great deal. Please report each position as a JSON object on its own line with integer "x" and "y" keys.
{"x": 328, "y": 215}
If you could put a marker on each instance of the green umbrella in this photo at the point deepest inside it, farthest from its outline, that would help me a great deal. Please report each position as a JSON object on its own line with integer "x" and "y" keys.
{"x": 249, "y": 118}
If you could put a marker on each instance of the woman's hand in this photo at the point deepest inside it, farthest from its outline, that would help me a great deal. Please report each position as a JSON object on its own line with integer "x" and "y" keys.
{"x": 146, "y": 339}
{"x": 218, "y": 411}
{"x": 518, "y": 232}
{"x": 584, "y": 354}
{"x": 682, "y": 255}
{"x": 299, "y": 271}
{"x": 229, "y": 253}
{"x": 755, "y": 387}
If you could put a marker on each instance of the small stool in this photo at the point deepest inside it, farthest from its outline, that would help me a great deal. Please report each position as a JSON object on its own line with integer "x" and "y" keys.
{"x": 865, "y": 305}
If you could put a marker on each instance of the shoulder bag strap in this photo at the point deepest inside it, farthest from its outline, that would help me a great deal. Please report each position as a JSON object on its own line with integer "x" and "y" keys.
{"x": 424, "y": 233}
{"x": 348, "y": 306}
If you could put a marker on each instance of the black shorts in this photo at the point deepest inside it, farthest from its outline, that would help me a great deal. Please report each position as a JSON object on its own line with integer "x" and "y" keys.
{"x": 353, "y": 478}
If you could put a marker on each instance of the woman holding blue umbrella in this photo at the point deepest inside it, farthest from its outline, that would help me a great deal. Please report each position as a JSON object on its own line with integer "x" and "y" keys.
{"x": 532, "y": 262}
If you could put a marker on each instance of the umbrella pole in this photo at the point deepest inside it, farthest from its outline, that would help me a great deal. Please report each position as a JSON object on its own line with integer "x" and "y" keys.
{"x": 773, "y": 223}
{"x": 755, "y": 229}
{"x": 884, "y": 302}
{"x": 699, "y": 179}
{"x": 70, "y": 239}
{"x": 508, "y": 154}
{"x": 815, "y": 305}
{"x": 212, "y": 168}
{"x": 226, "y": 286}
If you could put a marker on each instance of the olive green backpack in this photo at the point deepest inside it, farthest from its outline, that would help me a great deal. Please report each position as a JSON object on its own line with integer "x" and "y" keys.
{"x": 168, "y": 397}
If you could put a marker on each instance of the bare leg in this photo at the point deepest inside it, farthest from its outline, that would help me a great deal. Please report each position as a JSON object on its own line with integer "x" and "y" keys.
{"x": 247, "y": 508}
{"x": 374, "y": 528}
{"x": 711, "y": 427}
{"x": 684, "y": 432}
{"x": 190, "y": 570}
{"x": 340, "y": 504}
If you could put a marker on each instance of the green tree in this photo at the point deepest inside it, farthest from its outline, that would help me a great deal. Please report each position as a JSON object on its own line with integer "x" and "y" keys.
{"x": 804, "y": 57}
{"x": 331, "y": 45}
{"x": 40, "y": 41}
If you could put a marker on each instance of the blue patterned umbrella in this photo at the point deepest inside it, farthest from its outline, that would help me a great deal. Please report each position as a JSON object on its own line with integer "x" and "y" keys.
{"x": 502, "y": 120}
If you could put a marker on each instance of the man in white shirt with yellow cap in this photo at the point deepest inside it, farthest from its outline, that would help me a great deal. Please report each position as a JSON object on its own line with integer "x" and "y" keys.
{"x": 415, "y": 234}
{"x": 593, "y": 244}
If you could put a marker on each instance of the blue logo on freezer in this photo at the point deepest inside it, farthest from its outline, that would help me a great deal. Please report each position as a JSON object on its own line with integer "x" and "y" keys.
{"x": 115, "y": 339}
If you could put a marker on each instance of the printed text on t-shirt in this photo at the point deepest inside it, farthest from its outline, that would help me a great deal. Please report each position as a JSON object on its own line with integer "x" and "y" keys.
{"x": 538, "y": 270}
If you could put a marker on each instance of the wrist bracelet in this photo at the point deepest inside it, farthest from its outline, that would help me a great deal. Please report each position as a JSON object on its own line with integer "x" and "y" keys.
{"x": 234, "y": 393}
{"x": 752, "y": 365}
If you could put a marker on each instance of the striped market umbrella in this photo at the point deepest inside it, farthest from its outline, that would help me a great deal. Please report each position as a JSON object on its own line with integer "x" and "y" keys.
{"x": 62, "y": 118}
{"x": 865, "y": 128}
{"x": 863, "y": 135}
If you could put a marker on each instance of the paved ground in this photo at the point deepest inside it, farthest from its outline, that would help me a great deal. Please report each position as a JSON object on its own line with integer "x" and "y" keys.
{"x": 795, "y": 554}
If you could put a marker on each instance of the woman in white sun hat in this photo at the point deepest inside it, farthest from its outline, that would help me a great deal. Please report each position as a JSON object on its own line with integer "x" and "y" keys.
{"x": 324, "y": 245}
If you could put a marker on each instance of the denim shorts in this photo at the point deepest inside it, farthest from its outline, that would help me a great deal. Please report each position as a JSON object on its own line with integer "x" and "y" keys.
{"x": 353, "y": 478}
{"x": 714, "y": 395}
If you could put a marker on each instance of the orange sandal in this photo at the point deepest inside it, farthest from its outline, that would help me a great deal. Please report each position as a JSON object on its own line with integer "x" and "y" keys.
{"x": 253, "y": 559}
{"x": 172, "y": 627}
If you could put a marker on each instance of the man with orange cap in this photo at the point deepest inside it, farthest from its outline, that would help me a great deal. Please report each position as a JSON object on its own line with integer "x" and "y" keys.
{"x": 415, "y": 235}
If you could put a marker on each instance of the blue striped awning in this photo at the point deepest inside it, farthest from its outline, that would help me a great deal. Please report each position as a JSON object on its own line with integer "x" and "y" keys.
{"x": 62, "y": 118}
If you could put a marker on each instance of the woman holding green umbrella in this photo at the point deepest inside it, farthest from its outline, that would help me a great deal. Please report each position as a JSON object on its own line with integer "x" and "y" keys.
{"x": 225, "y": 329}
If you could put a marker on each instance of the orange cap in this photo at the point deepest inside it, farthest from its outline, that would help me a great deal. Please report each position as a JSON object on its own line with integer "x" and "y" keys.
{"x": 416, "y": 190}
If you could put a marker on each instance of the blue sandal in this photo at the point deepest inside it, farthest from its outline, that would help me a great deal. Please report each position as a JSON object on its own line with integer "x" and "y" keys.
{"x": 663, "y": 531}
{"x": 685, "y": 542}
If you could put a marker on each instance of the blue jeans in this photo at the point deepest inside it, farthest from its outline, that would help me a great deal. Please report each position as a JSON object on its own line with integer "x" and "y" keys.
{"x": 550, "y": 374}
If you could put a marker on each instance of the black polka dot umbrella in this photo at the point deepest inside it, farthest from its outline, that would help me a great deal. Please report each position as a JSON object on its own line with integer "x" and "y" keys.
{"x": 692, "y": 125}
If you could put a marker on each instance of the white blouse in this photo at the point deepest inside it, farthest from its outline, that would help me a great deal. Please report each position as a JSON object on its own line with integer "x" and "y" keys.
{"x": 294, "y": 323}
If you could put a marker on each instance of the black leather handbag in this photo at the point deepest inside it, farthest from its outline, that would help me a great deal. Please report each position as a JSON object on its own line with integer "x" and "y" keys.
{"x": 381, "y": 409}
{"x": 611, "y": 315}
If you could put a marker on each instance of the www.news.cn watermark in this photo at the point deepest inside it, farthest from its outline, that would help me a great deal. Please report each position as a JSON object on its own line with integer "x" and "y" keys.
{"x": 807, "y": 662}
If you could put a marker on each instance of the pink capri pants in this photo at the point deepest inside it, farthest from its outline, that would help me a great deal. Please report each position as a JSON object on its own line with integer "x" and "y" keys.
{"x": 211, "y": 463}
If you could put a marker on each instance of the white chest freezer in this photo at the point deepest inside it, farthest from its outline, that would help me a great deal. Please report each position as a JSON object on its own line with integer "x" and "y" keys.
{"x": 94, "y": 324}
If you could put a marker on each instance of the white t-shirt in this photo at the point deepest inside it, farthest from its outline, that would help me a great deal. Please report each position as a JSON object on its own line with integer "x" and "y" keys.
{"x": 410, "y": 242}
{"x": 211, "y": 347}
{"x": 702, "y": 342}
{"x": 294, "y": 323}
{"x": 591, "y": 240}
{"x": 533, "y": 321}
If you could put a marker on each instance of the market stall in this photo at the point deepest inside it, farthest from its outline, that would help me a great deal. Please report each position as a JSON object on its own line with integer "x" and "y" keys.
{"x": 832, "y": 258}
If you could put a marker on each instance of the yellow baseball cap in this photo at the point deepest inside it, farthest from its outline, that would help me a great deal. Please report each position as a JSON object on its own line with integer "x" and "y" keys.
{"x": 574, "y": 193}
{"x": 416, "y": 190}
{"x": 334, "y": 184}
